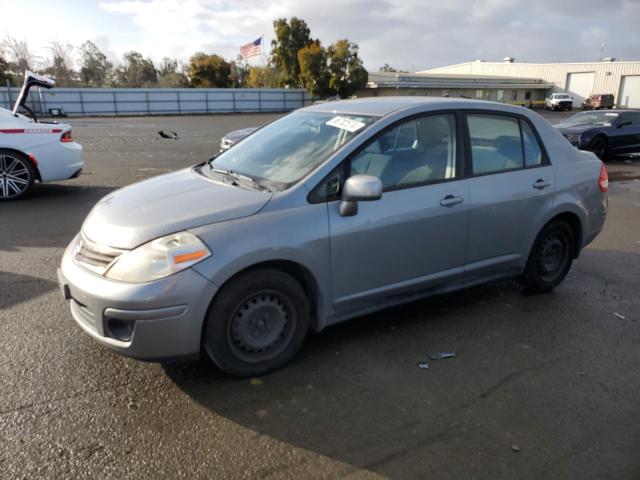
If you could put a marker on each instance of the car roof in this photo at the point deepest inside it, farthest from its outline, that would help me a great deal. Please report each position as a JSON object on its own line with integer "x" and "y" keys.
{"x": 382, "y": 106}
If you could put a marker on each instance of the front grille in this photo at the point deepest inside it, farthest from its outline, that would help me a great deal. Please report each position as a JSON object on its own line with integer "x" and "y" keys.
{"x": 97, "y": 258}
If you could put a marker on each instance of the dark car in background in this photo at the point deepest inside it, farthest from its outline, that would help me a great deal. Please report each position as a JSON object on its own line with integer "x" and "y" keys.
{"x": 606, "y": 134}
{"x": 598, "y": 101}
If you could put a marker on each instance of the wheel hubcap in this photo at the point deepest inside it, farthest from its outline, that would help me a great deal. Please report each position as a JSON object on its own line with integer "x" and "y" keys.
{"x": 14, "y": 176}
{"x": 261, "y": 327}
{"x": 552, "y": 256}
{"x": 598, "y": 147}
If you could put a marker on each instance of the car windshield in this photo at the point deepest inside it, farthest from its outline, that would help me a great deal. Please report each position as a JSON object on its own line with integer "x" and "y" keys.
{"x": 283, "y": 152}
{"x": 592, "y": 118}
{"x": 561, "y": 96}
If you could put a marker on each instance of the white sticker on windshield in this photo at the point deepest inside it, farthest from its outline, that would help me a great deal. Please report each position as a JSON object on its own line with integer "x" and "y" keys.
{"x": 610, "y": 114}
{"x": 345, "y": 123}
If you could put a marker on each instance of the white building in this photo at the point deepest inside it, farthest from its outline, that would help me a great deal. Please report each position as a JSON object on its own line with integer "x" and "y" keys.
{"x": 622, "y": 79}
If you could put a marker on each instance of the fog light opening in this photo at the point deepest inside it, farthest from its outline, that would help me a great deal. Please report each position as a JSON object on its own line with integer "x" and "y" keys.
{"x": 119, "y": 329}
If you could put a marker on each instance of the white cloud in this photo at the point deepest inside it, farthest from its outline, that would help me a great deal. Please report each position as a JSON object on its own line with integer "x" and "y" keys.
{"x": 403, "y": 33}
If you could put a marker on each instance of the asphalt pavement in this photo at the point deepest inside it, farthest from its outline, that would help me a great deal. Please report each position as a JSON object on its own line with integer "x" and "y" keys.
{"x": 542, "y": 387}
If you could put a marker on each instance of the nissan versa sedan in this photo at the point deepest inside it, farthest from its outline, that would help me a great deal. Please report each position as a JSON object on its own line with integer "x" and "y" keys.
{"x": 330, "y": 212}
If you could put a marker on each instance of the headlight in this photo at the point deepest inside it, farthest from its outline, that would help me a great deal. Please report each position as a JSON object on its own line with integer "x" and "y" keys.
{"x": 159, "y": 258}
{"x": 573, "y": 137}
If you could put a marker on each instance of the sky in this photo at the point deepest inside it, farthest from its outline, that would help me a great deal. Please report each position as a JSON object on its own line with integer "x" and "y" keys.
{"x": 407, "y": 34}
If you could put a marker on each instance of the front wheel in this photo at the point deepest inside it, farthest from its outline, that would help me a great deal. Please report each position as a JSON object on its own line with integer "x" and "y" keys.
{"x": 257, "y": 323}
{"x": 599, "y": 146}
{"x": 550, "y": 258}
{"x": 16, "y": 175}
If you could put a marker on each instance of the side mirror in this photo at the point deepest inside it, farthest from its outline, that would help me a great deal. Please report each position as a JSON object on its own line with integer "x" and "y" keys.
{"x": 359, "y": 188}
{"x": 622, "y": 124}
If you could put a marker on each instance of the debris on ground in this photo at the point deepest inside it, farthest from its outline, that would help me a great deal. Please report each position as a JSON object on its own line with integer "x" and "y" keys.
{"x": 620, "y": 316}
{"x": 423, "y": 365}
{"x": 515, "y": 448}
{"x": 256, "y": 381}
{"x": 441, "y": 355}
{"x": 171, "y": 135}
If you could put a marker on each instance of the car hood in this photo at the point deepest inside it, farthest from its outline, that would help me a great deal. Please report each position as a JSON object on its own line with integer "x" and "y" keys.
{"x": 166, "y": 204}
{"x": 566, "y": 129}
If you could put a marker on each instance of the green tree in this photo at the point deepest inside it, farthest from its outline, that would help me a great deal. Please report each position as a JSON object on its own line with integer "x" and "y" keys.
{"x": 313, "y": 68}
{"x": 262, "y": 77}
{"x": 289, "y": 38}
{"x": 239, "y": 72}
{"x": 170, "y": 74}
{"x": 95, "y": 70}
{"x": 61, "y": 65}
{"x": 207, "y": 71}
{"x": 346, "y": 69}
{"x": 136, "y": 71}
{"x": 387, "y": 68}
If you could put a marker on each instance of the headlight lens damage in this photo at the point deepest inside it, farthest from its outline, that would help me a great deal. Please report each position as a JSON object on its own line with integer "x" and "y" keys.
{"x": 159, "y": 258}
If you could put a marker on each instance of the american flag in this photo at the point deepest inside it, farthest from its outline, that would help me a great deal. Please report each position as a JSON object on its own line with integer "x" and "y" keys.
{"x": 252, "y": 49}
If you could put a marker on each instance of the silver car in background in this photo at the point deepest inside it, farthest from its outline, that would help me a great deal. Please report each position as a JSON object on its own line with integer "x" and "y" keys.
{"x": 330, "y": 212}
{"x": 231, "y": 138}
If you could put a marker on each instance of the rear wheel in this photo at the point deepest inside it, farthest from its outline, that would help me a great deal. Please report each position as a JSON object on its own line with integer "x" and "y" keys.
{"x": 600, "y": 147}
{"x": 550, "y": 258}
{"x": 16, "y": 175}
{"x": 257, "y": 323}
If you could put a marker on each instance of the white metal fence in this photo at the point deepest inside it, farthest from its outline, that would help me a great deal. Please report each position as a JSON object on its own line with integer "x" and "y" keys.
{"x": 158, "y": 101}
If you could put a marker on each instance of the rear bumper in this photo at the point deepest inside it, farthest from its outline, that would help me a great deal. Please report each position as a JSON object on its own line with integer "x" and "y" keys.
{"x": 58, "y": 161}
{"x": 153, "y": 321}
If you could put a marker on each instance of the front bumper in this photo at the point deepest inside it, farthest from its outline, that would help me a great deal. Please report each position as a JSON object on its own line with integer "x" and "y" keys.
{"x": 153, "y": 321}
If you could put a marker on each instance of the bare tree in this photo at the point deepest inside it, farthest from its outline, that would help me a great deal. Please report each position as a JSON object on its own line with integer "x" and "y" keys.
{"x": 61, "y": 64}
{"x": 18, "y": 53}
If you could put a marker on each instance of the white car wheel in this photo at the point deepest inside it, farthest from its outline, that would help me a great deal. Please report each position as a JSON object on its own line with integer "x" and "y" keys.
{"x": 16, "y": 175}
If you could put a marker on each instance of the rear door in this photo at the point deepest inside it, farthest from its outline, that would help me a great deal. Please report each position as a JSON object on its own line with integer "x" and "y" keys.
{"x": 510, "y": 189}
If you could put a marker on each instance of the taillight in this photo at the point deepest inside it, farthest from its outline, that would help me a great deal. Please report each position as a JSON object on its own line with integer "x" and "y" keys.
{"x": 603, "y": 179}
{"x": 66, "y": 137}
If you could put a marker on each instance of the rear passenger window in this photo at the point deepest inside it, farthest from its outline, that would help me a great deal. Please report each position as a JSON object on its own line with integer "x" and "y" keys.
{"x": 495, "y": 143}
{"x": 532, "y": 150}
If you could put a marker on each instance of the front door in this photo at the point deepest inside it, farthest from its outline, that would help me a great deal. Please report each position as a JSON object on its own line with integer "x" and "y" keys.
{"x": 413, "y": 237}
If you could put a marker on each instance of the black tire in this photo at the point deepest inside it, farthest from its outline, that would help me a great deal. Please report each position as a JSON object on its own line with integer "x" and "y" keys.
{"x": 551, "y": 257}
{"x": 600, "y": 147}
{"x": 17, "y": 175}
{"x": 570, "y": 108}
{"x": 257, "y": 323}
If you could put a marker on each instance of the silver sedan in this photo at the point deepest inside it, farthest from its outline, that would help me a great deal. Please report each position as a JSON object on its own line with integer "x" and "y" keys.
{"x": 328, "y": 213}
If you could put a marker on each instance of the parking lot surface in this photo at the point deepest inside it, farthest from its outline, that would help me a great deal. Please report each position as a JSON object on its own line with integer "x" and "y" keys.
{"x": 543, "y": 386}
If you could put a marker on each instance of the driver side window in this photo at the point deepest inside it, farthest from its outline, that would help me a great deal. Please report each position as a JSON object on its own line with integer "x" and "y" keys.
{"x": 414, "y": 152}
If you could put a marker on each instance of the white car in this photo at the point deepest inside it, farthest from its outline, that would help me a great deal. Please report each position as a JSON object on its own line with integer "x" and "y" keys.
{"x": 31, "y": 150}
{"x": 558, "y": 101}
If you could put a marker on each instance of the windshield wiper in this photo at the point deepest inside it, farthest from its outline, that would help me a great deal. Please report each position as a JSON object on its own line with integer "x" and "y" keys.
{"x": 235, "y": 176}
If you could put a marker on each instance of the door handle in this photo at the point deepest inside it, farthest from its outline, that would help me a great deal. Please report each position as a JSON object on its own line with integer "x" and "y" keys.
{"x": 450, "y": 200}
{"x": 540, "y": 184}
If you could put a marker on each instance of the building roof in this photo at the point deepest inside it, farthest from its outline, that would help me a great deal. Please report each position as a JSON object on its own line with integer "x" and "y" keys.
{"x": 450, "y": 80}
{"x": 433, "y": 71}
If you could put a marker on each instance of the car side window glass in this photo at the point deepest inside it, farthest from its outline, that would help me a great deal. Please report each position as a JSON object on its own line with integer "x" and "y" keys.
{"x": 414, "y": 152}
{"x": 532, "y": 150}
{"x": 495, "y": 143}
